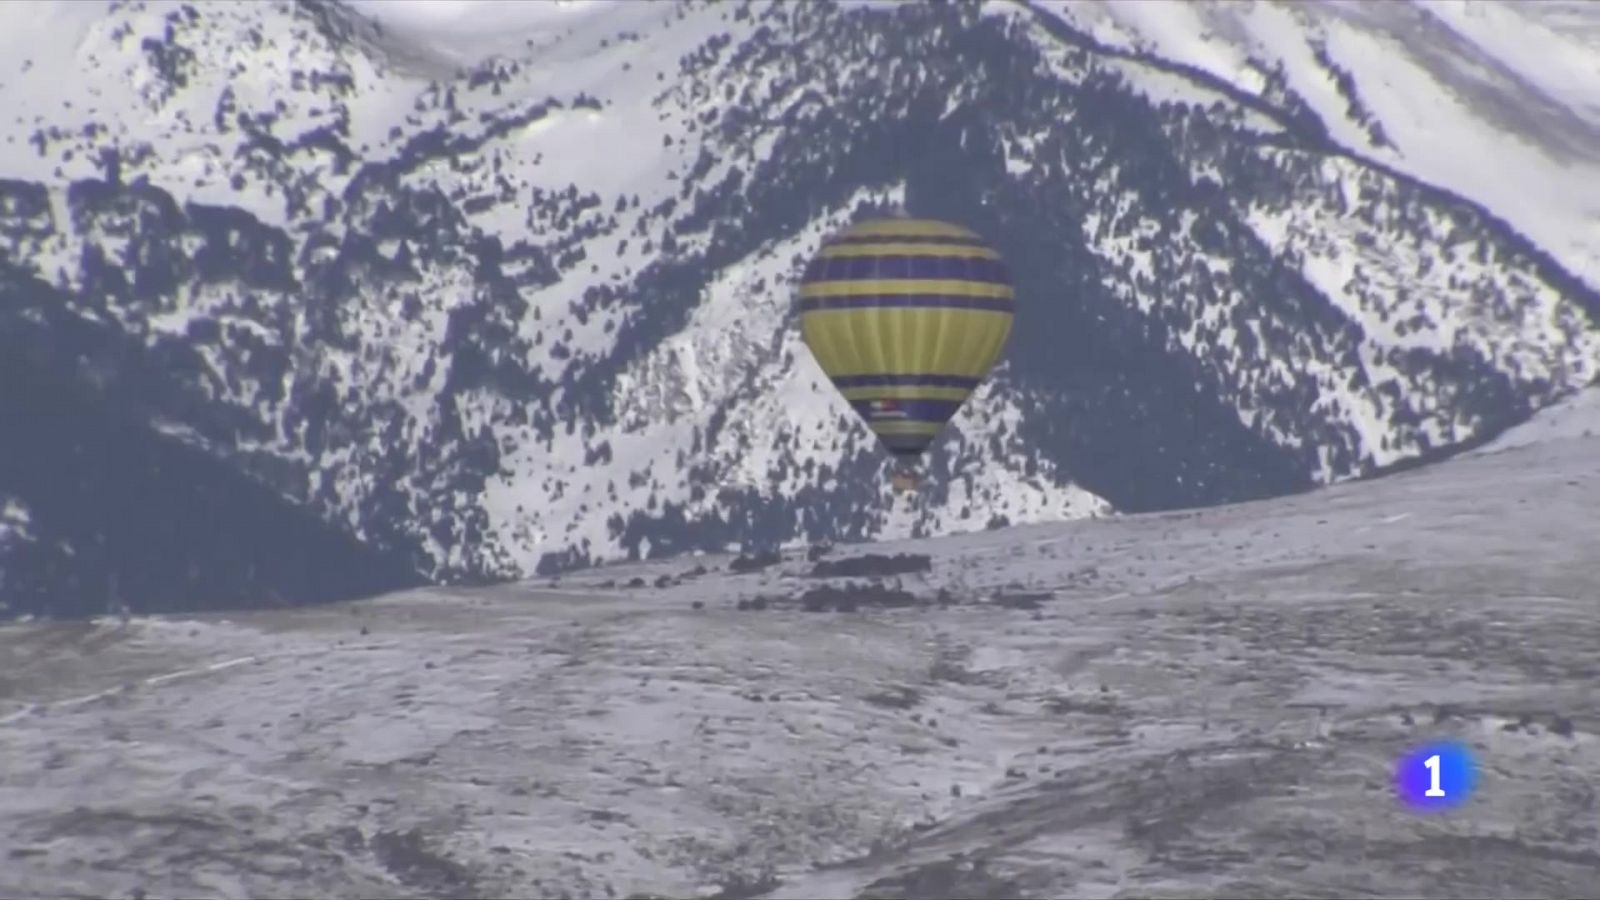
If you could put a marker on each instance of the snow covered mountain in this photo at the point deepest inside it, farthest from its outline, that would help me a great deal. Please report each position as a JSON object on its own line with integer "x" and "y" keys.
{"x": 504, "y": 300}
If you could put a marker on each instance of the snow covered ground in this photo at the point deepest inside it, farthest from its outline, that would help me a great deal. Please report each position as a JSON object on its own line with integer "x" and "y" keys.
{"x": 1201, "y": 703}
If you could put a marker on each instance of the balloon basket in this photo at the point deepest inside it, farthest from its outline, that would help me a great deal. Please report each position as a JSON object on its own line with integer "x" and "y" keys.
{"x": 905, "y": 482}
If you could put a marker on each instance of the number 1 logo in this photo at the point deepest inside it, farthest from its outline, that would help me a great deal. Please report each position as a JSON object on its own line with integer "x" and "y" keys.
{"x": 1438, "y": 776}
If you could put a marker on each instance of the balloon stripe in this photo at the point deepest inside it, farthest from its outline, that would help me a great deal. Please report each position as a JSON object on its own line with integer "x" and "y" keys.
{"x": 908, "y": 249}
{"x": 889, "y": 409}
{"x": 906, "y": 392}
{"x": 906, "y": 301}
{"x": 900, "y": 266}
{"x": 972, "y": 331}
{"x": 905, "y": 380}
{"x": 928, "y": 240}
{"x": 915, "y": 287}
{"x": 911, "y": 227}
{"x": 904, "y": 426}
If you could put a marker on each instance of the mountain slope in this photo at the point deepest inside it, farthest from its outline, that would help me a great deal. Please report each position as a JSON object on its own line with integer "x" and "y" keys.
{"x": 1199, "y": 703}
{"x": 100, "y": 512}
{"x": 1578, "y": 416}
{"x": 535, "y": 311}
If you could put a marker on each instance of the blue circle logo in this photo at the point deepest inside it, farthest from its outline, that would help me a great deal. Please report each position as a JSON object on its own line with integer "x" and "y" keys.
{"x": 1436, "y": 776}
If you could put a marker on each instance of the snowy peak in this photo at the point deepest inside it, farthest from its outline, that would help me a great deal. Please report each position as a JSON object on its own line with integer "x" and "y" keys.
{"x": 1494, "y": 101}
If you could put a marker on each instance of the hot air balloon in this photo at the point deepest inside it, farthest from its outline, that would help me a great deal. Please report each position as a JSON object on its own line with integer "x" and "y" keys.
{"x": 906, "y": 317}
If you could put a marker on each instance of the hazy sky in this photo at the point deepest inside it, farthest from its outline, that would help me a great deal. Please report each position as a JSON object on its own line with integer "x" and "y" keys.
{"x": 472, "y": 15}
{"x": 466, "y": 29}
{"x": 426, "y": 12}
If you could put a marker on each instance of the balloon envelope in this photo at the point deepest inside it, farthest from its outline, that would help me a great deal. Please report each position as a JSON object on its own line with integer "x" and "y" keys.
{"x": 906, "y": 317}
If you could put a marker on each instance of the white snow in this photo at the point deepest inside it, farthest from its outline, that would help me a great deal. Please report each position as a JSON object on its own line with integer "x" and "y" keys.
{"x": 16, "y": 522}
{"x": 1492, "y": 100}
{"x": 470, "y": 30}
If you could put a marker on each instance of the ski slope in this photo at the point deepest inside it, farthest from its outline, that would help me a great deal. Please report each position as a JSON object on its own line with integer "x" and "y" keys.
{"x": 1202, "y": 703}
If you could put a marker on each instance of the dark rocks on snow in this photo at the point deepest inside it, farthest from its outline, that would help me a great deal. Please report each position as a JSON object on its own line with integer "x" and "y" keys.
{"x": 852, "y": 597}
{"x": 873, "y": 565}
{"x": 408, "y": 856}
{"x": 896, "y": 697}
{"x": 755, "y": 562}
{"x": 1022, "y": 599}
{"x": 741, "y": 887}
{"x": 1062, "y": 705}
{"x": 953, "y": 877}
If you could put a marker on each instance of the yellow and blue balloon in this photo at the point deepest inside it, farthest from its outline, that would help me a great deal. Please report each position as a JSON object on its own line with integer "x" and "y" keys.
{"x": 906, "y": 317}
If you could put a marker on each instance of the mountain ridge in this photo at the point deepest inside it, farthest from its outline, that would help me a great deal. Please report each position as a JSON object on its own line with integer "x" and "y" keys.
{"x": 1588, "y": 295}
